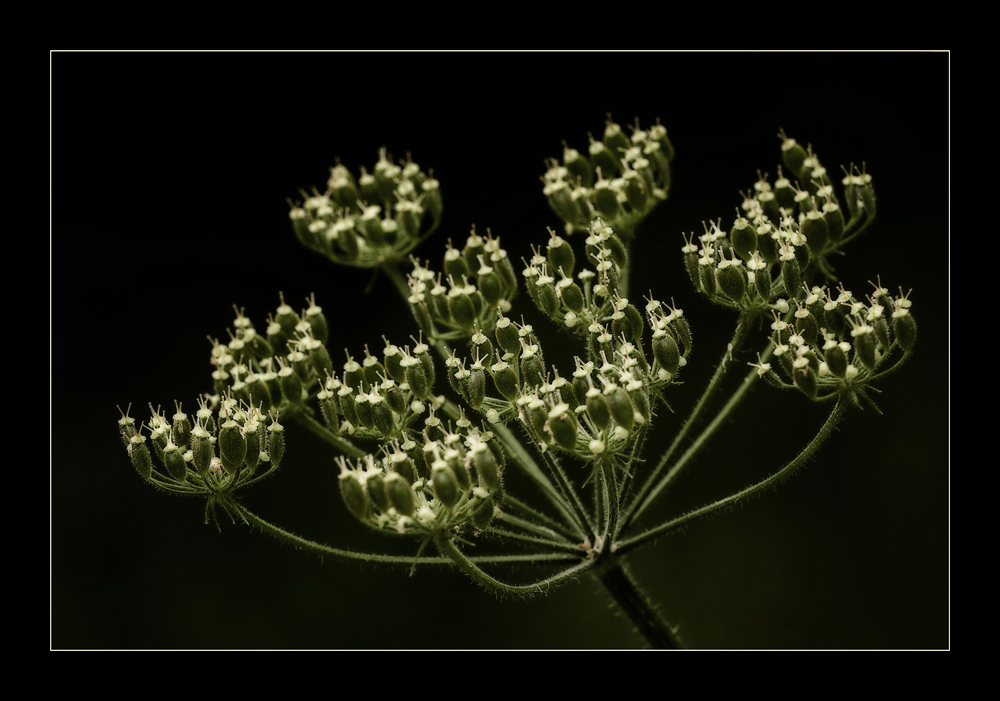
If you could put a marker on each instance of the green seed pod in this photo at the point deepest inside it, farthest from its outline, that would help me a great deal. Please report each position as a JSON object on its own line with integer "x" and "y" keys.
{"x": 761, "y": 279}
{"x": 744, "y": 239}
{"x": 491, "y": 287}
{"x": 232, "y": 446}
{"x": 806, "y": 326}
{"x": 416, "y": 378}
{"x": 570, "y": 294}
{"x": 665, "y": 351}
{"x": 394, "y": 397}
{"x": 354, "y": 494}
{"x": 506, "y": 335}
{"x": 732, "y": 282}
{"x": 836, "y": 359}
{"x": 784, "y": 193}
{"x": 532, "y": 368}
{"x": 867, "y": 194}
{"x": 482, "y": 349}
{"x": 291, "y": 385}
{"x": 836, "y": 319}
{"x": 597, "y": 408}
{"x": 805, "y": 380}
{"x": 864, "y": 345}
{"x": 506, "y": 381}
{"x": 606, "y": 200}
{"x": 793, "y": 156}
{"x": 371, "y": 369}
{"x": 834, "y": 217}
{"x": 614, "y": 138}
{"x": 620, "y": 406}
{"x": 393, "y": 362}
{"x": 375, "y": 482}
{"x": 681, "y": 330}
{"x": 640, "y": 400}
{"x": 635, "y": 190}
{"x": 905, "y": 328}
{"x": 180, "y": 431}
{"x": 578, "y": 166}
{"x": 444, "y": 483}
{"x": 173, "y": 458}
{"x": 202, "y": 449}
{"x": 476, "y": 386}
{"x": 400, "y": 494}
{"x": 456, "y": 267}
{"x": 346, "y": 244}
{"x": 767, "y": 246}
{"x": 488, "y": 468}
{"x": 276, "y": 443}
{"x": 560, "y": 255}
{"x": 791, "y": 275}
{"x": 608, "y": 163}
{"x": 461, "y": 308}
{"x": 363, "y": 408}
{"x": 562, "y": 426}
{"x": 139, "y": 454}
{"x": 635, "y": 324}
{"x": 482, "y": 513}
{"x": 456, "y": 462}
{"x": 706, "y": 276}
{"x": 816, "y": 231}
{"x": 317, "y": 321}
{"x": 382, "y": 417}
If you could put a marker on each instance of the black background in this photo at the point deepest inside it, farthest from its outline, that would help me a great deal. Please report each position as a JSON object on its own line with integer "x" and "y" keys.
{"x": 169, "y": 179}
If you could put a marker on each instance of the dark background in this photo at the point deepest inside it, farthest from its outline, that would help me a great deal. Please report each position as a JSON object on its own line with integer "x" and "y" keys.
{"x": 169, "y": 179}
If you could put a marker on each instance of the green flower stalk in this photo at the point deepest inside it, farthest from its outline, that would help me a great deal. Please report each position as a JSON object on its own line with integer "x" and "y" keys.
{"x": 427, "y": 435}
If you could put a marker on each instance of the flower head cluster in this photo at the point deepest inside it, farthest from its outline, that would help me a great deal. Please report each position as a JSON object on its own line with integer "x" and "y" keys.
{"x": 782, "y": 234}
{"x": 442, "y": 479}
{"x": 365, "y": 221}
{"x": 478, "y": 282}
{"x": 223, "y": 449}
{"x": 619, "y": 179}
{"x": 833, "y": 342}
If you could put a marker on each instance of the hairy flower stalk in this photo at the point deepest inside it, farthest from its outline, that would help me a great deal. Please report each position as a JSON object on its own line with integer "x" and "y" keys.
{"x": 427, "y": 430}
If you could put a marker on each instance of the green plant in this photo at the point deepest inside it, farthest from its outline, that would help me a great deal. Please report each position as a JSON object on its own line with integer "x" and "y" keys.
{"x": 428, "y": 457}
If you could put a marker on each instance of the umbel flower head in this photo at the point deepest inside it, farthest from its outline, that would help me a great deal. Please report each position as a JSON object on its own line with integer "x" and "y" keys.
{"x": 834, "y": 344}
{"x": 376, "y": 218}
{"x": 619, "y": 179}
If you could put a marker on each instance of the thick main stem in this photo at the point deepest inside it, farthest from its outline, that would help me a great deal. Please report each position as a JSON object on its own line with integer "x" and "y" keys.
{"x": 623, "y": 588}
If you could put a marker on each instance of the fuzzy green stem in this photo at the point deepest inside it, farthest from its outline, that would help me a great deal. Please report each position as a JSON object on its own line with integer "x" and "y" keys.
{"x": 623, "y": 588}
{"x": 773, "y": 481}
{"x": 640, "y": 502}
{"x": 449, "y": 550}
{"x": 321, "y": 431}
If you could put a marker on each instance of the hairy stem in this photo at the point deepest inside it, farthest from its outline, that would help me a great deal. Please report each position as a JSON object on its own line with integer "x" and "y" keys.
{"x": 774, "y": 480}
{"x": 623, "y": 588}
{"x": 641, "y": 502}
